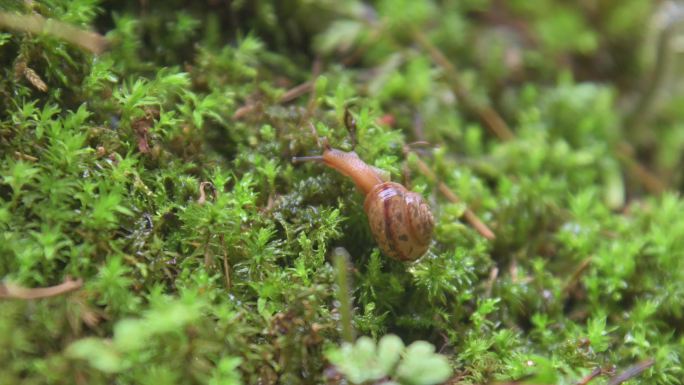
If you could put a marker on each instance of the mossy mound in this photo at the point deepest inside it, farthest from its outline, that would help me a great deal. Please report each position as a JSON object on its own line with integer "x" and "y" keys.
{"x": 156, "y": 178}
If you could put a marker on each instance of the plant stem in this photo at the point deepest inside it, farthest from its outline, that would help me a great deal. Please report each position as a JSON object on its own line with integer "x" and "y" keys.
{"x": 342, "y": 257}
{"x": 631, "y": 372}
{"x": 8, "y": 290}
{"x": 36, "y": 24}
{"x": 639, "y": 117}
{"x": 468, "y": 214}
{"x": 487, "y": 115}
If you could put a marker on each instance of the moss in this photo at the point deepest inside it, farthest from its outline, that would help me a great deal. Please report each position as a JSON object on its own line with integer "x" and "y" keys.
{"x": 159, "y": 173}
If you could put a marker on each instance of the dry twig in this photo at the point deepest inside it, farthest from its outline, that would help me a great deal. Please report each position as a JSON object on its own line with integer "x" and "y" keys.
{"x": 489, "y": 117}
{"x": 203, "y": 195}
{"x": 631, "y": 372}
{"x": 316, "y": 69}
{"x": 226, "y": 266}
{"x": 12, "y": 291}
{"x": 468, "y": 214}
{"x": 489, "y": 285}
{"x": 594, "y": 373}
{"x": 22, "y": 156}
{"x": 35, "y": 79}
{"x": 36, "y": 24}
{"x": 574, "y": 278}
{"x": 650, "y": 182}
{"x": 289, "y": 95}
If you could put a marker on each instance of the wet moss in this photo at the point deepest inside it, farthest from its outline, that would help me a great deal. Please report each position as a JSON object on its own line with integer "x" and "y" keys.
{"x": 159, "y": 173}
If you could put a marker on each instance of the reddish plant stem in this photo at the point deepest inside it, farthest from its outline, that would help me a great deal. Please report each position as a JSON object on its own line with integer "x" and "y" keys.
{"x": 491, "y": 119}
{"x": 468, "y": 214}
{"x": 631, "y": 372}
{"x": 289, "y": 95}
{"x": 487, "y": 115}
{"x": 572, "y": 281}
{"x": 226, "y": 266}
{"x": 651, "y": 183}
{"x": 595, "y": 373}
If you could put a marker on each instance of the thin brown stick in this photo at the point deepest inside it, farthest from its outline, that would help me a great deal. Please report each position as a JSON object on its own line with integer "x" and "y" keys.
{"x": 295, "y": 92}
{"x": 487, "y": 115}
{"x": 11, "y": 291}
{"x": 289, "y": 95}
{"x": 226, "y": 266}
{"x": 495, "y": 123}
{"x": 468, "y": 214}
{"x": 640, "y": 115}
{"x": 493, "y": 274}
{"x": 207, "y": 254}
{"x": 23, "y": 156}
{"x": 572, "y": 281}
{"x": 376, "y": 32}
{"x": 36, "y": 24}
{"x": 316, "y": 69}
{"x": 651, "y": 183}
{"x": 203, "y": 195}
{"x": 595, "y": 373}
{"x": 244, "y": 111}
{"x": 631, "y": 372}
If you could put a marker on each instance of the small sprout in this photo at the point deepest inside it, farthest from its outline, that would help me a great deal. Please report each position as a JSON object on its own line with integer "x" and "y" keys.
{"x": 364, "y": 361}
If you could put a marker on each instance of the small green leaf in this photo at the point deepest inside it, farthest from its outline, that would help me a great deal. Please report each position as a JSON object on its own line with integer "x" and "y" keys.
{"x": 389, "y": 352}
{"x": 226, "y": 372}
{"x": 4, "y": 38}
{"x": 131, "y": 334}
{"x": 99, "y": 354}
{"x": 358, "y": 362}
{"x": 421, "y": 366}
{"x": 364, "y": 361}
{"x": 597, "y": 333}
{"x": 20, "y": 174}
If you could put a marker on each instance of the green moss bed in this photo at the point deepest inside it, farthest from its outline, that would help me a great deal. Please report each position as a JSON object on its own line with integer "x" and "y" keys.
{"x": 154, "y": 229}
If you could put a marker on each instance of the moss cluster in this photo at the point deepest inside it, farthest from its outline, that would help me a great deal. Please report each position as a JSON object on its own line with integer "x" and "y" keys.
{"x": 159, "y": 173}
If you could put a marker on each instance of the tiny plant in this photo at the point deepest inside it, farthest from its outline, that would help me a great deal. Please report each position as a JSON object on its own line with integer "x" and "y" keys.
{"x": 390, "y": 362}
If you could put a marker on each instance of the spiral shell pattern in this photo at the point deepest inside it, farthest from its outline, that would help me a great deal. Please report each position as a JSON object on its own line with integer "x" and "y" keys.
{"x": 400, "y": 220}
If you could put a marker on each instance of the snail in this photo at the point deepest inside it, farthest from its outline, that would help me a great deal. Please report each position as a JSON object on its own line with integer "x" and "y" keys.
{"x": 400, "y": 220}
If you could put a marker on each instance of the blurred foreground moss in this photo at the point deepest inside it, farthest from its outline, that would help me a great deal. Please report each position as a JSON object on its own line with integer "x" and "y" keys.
{"x": 159, "y": 174}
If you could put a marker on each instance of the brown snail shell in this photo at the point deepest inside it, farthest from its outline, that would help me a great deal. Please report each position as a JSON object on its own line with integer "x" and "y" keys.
{"x": 400, "y": 220}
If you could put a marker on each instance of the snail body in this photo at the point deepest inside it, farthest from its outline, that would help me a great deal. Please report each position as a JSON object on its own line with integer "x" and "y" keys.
{"x": 400, "y": 220}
